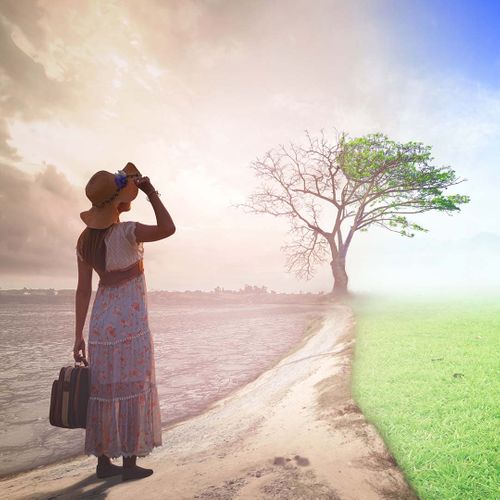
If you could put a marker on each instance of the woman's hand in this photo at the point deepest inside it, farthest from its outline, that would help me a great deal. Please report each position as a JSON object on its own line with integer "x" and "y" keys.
{"x": 79, "y": 346}
{"x": 144, "y": 184}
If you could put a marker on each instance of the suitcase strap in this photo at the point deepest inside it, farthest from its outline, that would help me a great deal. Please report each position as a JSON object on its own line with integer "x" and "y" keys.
{"x": 65, "y": 397}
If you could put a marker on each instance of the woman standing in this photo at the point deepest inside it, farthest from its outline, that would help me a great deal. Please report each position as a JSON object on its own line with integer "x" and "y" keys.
{"x": 123, "y": 413}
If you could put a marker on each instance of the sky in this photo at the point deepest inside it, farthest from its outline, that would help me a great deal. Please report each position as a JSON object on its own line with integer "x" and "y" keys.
{"x": 193, "y": 92}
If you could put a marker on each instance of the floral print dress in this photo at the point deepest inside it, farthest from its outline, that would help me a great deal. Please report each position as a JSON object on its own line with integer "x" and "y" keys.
{"x": 123, "y": 413}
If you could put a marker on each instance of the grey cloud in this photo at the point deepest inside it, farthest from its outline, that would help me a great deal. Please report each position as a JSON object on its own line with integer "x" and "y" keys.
{"x": 27, "y": 14}
{"x": 56, "y": 183}
{"x": 26, "y": 90}
{"x": 29, "y": 92}
{"x": 39, "y": 222}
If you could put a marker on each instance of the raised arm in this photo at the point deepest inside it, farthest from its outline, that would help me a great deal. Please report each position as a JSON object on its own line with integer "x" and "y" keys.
{"x": 165, "y": 226}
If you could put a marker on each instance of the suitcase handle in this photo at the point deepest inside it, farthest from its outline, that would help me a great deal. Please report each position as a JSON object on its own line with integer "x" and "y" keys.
{"x": 80, "y": 360}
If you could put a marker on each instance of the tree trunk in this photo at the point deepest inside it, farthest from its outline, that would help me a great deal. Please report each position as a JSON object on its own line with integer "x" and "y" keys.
{"x": 340, "y": 278}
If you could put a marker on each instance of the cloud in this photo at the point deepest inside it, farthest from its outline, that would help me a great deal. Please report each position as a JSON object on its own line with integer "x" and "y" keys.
{"x": 7, "y": 152}
{"x": 29, "y": 93}
{"x": 37, "y": 222}
{"x": 192, "y": 92}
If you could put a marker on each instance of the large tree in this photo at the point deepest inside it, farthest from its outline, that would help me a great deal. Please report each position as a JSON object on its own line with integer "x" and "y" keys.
{"x": 364, "y": 181}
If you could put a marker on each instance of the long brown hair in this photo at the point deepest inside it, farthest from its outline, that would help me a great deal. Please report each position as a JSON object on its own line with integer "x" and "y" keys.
{"x": 92, "y": 247}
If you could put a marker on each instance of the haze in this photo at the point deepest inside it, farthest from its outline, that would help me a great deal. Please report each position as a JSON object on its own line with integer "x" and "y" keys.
{"x": 193, "y": 91}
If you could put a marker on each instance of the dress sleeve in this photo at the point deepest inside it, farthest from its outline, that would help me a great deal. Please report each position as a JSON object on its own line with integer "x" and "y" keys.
{"x": 129, "y": 231}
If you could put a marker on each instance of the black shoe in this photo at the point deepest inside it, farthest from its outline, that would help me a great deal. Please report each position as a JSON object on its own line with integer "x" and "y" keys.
{"x": 135, "y": 472}
{"x": 108, "y": 471}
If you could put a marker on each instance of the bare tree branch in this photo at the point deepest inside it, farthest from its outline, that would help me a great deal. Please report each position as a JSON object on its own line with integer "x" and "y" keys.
{"x": 370, "y": 180}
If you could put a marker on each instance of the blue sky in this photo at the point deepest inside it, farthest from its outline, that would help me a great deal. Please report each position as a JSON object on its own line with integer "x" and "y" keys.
{"x": 459, "y": 38}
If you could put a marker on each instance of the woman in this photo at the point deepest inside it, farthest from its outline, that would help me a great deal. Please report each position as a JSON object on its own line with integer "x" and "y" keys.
{"x": 123, "y": 413}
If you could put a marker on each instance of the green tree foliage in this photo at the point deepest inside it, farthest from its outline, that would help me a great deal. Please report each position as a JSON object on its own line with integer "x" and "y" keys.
{"x": 396, "y": 179}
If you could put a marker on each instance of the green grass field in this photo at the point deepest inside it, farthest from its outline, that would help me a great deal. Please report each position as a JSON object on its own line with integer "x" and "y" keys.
{"x": 426, "y": 373}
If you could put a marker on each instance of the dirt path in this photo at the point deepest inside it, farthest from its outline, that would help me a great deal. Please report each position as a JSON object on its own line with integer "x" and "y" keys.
{"x": 292, "y": 433}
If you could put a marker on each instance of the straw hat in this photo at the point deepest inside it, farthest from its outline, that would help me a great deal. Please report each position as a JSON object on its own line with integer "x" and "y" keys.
{"x": 106, "y": 191}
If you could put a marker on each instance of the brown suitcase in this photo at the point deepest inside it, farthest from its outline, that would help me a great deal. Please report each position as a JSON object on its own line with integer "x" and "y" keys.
{"x": 69, "y": 397}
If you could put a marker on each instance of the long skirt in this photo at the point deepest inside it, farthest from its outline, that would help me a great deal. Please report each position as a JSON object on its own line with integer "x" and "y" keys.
{"x": 123, "y": 413}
